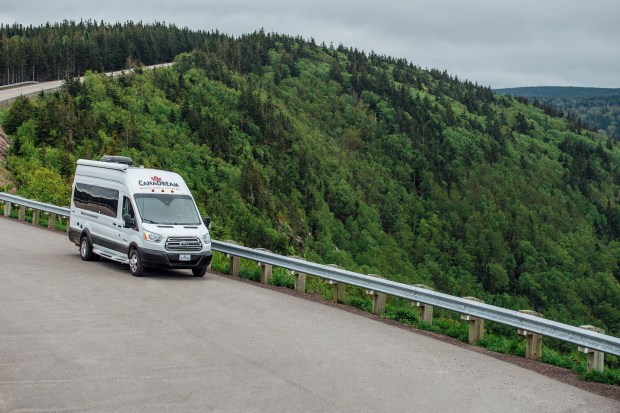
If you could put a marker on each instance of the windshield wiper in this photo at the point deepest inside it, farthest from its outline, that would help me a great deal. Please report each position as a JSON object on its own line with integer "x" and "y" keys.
{"x": 148, "y": 220}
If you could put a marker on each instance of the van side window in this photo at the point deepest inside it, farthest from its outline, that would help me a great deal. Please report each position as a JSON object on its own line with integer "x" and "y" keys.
{"x": 127, "y": 208}
{"x": 108, "y": 202}
{"x": 96, "y": 199}
{"x": 85, "y": 198}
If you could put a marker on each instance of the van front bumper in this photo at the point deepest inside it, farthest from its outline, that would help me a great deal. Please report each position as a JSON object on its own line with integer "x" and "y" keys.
{"x": 155, "y": 258}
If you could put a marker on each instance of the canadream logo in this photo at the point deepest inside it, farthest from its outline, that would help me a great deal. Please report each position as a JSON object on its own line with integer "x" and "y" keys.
{"x": 157, "y": 181}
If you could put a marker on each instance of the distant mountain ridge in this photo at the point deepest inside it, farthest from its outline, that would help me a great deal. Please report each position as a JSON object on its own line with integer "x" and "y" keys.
{"x": 560, "y": 91}
{"x": 599, "y": 108}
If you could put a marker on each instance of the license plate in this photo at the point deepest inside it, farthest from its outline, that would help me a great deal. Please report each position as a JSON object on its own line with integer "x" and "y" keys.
{"x": 185, "y": 257}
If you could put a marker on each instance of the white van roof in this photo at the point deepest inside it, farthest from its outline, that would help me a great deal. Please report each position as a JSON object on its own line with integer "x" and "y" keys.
{"x": 139, "y": 179}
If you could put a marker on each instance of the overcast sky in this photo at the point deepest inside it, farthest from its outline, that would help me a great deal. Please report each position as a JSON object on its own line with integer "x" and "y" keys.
{"x": 524, "y": 43}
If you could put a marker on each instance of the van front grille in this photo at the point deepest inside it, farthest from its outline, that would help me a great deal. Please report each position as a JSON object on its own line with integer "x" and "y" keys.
{"x": 183, "y": 244}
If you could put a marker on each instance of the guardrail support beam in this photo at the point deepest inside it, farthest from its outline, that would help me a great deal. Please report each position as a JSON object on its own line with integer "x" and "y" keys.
{"x": 533, "y": 341}
{"x": 596, "y": 359}
{"x": 35, "y": 217}
{"x": 379, "y": 299}
{"x": 51, "y": 220}
{"x": 299, "y": 278}
{"x": 7, "y": 209}
{"x": 476, "y": 325}
{"x": 338, "y": 289}
{"x": 22, "y": 213}
{"x": 266, "y": 270}
{"x": 235, "y": 266}
{"x": 299, "y": 281}
{"x": 235, "y": 263}
{"x": 266, "y": 273}
{"x": 425, "y": 310}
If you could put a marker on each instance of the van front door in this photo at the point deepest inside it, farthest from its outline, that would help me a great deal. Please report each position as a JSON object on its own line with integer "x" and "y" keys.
{"x": 125, "y": 234}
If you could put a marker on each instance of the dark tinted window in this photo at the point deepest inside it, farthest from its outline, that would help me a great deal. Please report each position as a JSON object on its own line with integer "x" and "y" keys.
{"x": 96, "y": 199}
{"x": 108, "y": 201}
{"x": 85, "y": 198}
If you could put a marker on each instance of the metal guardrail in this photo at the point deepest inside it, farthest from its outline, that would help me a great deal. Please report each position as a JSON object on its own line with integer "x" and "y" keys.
{"x": 9, "y": 101}
{"x": 39, "y": 206}
{"x": 20, "y": 84}
{"x": 576, "y": 335}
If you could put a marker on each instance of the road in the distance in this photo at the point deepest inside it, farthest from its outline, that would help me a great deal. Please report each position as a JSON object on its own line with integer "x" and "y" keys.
{"x": 87, "y": 336}
{"x": 6, "y": 94}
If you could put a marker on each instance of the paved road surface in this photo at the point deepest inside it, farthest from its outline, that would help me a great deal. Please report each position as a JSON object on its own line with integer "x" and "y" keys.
{"x": 87, "y": 336}
{"x": 6, "y": 94}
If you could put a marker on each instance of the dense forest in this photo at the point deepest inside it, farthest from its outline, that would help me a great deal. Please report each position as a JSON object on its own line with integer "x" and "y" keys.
{"x": 599, "y": 108}
{"x": 357, "y": 159}
{"x": 60, "y": 50}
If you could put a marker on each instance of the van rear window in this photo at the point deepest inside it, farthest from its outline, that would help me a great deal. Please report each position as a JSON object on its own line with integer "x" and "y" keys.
{"x": 96, "y": 199}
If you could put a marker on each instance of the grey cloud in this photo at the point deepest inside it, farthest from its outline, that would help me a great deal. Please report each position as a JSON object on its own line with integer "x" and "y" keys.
{"x": 488, "y": 41}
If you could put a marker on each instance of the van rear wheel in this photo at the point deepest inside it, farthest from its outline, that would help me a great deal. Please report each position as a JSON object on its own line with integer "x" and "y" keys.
{"x": 135, "y": 265}
{"x": 199, "y": 272}
{"x": 86, "y": 250}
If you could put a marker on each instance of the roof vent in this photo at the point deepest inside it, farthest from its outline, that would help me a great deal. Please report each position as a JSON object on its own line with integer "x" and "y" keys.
{"x": 125, "y": 160}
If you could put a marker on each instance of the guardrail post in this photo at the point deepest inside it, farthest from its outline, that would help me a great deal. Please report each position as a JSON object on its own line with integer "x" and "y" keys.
{"x": 425, "y": 310}
{"x": 596, "y": 359}
{"x": 35, "y": 217}
{"x": 22, "y": 213}
{"x": 68, "y": 220}
{"x": 533, "y": 341}
{"x": 299, "y": 278}
{"x": 235, "y": 262}
{"x": 235, "y": 266}
{"x": 378, "y": 299}
{"x": 7, "y": 209}
{"x": 338, "y": 289}
{"x": 51, "y": 221}
{"x": 266, "y": 270}
{"x": 476, "y": 325}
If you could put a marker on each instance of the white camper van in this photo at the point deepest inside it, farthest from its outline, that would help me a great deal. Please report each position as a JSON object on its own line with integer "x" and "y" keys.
{"x": 137, "y": 216}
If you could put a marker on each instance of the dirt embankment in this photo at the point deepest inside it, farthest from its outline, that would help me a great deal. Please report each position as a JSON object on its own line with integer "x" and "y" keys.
{"x": 4, "y": 146}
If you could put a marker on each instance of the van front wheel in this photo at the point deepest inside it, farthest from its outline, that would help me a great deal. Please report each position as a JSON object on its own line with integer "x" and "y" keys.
{"x": 86, "y": 250}
{"x": 135, "y": 265}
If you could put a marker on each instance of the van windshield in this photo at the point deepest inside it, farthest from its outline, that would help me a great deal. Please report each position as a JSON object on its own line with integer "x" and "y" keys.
{"x": 167, "y": 209}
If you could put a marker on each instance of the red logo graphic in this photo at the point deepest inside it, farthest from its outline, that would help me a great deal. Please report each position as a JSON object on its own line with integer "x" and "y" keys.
{"x": 156, "y": 179}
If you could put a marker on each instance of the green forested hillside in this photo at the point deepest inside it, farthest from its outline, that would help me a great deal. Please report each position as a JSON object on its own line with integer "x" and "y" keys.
{"x": 360, "y": 160}
{"x": 597, "y": 107}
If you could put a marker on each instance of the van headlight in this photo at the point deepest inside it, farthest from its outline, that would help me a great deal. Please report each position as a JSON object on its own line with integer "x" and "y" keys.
{"x": 206, "y": 238}
{"x": 151, "y": 236}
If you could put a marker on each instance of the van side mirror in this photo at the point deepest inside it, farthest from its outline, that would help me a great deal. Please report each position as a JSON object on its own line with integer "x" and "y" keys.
{"x": 207, "y": 221}
{"x": 129, "y": 221}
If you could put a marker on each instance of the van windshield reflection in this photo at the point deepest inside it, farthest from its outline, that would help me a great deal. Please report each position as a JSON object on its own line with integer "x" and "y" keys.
{"x": 167, "y": 209}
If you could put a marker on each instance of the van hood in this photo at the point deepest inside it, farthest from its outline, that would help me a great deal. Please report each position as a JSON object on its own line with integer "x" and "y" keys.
{"x": 176, "y": 230}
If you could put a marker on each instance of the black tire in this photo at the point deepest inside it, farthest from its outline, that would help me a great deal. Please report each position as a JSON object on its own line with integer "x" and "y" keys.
{"x": 199, "y": 272}
{"x": 135, "y": 264}
{"x": 86, "y": 249}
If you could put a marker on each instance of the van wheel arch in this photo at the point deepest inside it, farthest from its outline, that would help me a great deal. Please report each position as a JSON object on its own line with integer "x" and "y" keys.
{"x": 135, "y": 263}
{"x": 86, "y": 247}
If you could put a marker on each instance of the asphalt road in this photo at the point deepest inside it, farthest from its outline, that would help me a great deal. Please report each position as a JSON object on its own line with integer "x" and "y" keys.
{"x": 6, "y": 94}
{"x": 87, "y": 336}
